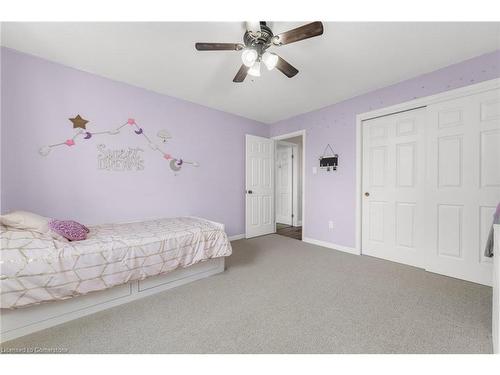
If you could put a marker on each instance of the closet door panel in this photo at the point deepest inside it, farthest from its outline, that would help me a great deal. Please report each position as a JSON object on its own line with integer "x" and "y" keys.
{"x": 393, "y": 187}
{"x": 463, "y": 184}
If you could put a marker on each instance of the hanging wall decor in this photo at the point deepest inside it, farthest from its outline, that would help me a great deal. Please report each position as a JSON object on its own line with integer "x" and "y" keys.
{"x": 123, "y": 159}
{"x": 329, "y": 159}
{"x": 164, "y": 135}
{"x": 79, "y": 122}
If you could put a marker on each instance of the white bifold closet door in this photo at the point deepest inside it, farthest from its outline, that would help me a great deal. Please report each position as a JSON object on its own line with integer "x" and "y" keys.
{"x": 393, "y": 187}
{"x": 433, "y": 179}
{"x": 463, "y": 187}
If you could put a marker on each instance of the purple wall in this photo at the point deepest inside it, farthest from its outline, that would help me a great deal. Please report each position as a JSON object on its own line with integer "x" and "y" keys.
{"x": 331, "y": 196}
{"x": 39, "y": 96}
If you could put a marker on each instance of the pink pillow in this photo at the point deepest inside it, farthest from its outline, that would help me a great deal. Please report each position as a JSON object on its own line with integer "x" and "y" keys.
{"x": 69, "y": 229}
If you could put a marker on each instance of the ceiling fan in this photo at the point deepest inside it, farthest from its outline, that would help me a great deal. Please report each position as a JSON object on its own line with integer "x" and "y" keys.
{"x": 256, "y": 40}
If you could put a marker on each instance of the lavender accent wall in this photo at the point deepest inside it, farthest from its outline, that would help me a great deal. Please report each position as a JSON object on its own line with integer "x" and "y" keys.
{"x": 37, "y": 99}
{"x": 38, "y": 96}
{"x": 331, "y": 196}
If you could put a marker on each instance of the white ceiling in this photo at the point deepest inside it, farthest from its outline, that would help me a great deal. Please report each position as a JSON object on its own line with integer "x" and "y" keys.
{"x": 347, "y": 60}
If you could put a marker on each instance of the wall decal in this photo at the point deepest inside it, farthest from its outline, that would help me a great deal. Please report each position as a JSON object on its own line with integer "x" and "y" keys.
{"x": 117, "y": 160}
{"x": 176, "y": 164}
{"x": 120, "y": 160}
{"x": 78, "y": 122}
{"x": 164, "y": 135}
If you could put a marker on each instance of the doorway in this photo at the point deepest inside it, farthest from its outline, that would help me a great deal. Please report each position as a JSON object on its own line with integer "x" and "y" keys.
{"x": 261, "y": 189}
{"x": 288, "y": 191}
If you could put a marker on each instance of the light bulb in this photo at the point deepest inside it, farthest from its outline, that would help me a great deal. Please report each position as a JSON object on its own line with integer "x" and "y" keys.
{"x": 270, "y": 59}
{"x": 255, "y": 69}
{"x": 249, "y": 56}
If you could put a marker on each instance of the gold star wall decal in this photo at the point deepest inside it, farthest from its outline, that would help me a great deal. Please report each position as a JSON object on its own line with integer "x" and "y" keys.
{"x": 79, "y": 122}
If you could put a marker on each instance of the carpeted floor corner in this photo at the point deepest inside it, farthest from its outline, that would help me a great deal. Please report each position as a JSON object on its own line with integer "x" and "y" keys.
{"x": 280, "y": 295}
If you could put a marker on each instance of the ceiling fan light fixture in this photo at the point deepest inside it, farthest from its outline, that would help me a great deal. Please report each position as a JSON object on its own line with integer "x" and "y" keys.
{"x": 249, "y": 56}
{"x": 258, "y": 37}
{"x": 253, "y": 27}
{"x": 255, "y": 69}
{"x": 270, "y": 60}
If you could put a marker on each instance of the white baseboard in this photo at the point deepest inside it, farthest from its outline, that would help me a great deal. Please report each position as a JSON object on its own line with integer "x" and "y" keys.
{"x": 237, "y": 237}
{"x": 330, "y": 245}
{"x": 346, "y": 249}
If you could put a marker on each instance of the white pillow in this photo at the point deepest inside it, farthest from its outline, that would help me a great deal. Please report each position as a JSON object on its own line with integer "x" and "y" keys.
{"x": 26, "y": 220}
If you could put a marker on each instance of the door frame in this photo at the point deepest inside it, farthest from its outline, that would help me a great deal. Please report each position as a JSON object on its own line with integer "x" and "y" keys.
{"x": 283, "y": 137}
{"x": 403, "y": 107}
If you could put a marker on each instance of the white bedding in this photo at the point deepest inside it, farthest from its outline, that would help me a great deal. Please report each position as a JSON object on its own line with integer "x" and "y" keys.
{"x": 35, "y": 268}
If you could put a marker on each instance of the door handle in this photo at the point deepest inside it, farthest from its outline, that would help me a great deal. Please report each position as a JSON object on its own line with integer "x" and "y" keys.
{"x": 249, "y": 192}
{"x": 367, "y": 194}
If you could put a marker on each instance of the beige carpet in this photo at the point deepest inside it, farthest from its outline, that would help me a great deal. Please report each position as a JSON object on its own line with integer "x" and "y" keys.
{"x": 280, "y": 295}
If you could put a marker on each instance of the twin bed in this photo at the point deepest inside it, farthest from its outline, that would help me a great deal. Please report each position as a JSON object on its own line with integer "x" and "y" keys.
{"x": 116, "y": 264}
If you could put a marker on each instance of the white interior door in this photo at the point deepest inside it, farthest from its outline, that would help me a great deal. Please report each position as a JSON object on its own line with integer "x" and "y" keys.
{"x": 393, "y": 187}
{"x": 259, "y": 200}
{"x": 284, "y": 182}
{"x": 463, "y": 185}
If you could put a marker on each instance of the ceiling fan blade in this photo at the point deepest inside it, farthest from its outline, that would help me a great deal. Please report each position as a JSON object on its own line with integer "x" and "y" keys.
{"x": 300, "y": 33}
{"x": 285, "y": 68}
{"x": 219, "y": 46}
{"x": 241, "y": 75}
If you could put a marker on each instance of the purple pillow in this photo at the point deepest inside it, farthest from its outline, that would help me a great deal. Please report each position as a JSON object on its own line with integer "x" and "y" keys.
{"x": 69, "y": 229}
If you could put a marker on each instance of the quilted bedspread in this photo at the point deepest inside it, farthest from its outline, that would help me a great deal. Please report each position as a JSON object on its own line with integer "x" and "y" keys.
{"x": 35, "y": 268}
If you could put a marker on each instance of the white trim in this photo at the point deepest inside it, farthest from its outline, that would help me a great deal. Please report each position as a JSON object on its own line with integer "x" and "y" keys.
{"x": 237, "y": 237}
{"x": 295, "y": 181}
{"x": 495, "y": 322}
{"x": 359, "y": 170}
{"x": 330, "y": 245}
{"x": 405, "y": 106}
{"x": 288, "y": 135}
{"x": 291, "y": 135}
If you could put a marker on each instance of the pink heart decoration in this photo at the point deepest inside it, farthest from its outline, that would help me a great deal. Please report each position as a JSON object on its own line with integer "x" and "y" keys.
{"x": 70, "y": 142}
{"x": 167, "y": 156}
{"x": 131, "y": 121}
